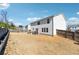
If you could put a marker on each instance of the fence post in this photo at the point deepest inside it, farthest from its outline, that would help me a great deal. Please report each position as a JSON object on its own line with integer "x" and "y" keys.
{"x": 65, "y": 34}
{"x": 73, "y": 35}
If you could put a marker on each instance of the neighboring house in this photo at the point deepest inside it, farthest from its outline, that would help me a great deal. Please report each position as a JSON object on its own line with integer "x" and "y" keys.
{"x": 26, "y": 28}
{"x": 20, "y": 28}
{"x": 49, "y": 25}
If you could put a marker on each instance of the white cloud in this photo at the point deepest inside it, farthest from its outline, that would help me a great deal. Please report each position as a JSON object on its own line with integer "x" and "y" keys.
{"x": 4, "y": 5}
{"x": 10, "y": 20}
{"x": 15, "y": 22}
{"x": 73, "y": 18}
{"x": 78, "y": 13}
{"x": 73, "y": 21}
{"x": 33, "y": 18}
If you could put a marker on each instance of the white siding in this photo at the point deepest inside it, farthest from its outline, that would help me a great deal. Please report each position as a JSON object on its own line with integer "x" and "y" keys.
{"x": 56, "y": 22}
{"x": 49, "y": 26}
{"x": 59, "y": 23}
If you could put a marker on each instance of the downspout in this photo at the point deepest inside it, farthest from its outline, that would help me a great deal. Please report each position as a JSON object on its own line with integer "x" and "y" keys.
{"x": 52, "y": 26}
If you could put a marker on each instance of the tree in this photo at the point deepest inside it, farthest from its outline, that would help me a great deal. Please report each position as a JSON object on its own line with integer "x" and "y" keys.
{"x": 68, "y": 28}
{"x": 5, "y": 25}
{"x": 20, "y": 26}
{"x": 12, "y": 26}
{"x": 4, "y": 16}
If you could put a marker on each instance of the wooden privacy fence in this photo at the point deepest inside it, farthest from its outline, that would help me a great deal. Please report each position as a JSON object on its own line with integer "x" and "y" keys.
{"x": 68, "y": 34}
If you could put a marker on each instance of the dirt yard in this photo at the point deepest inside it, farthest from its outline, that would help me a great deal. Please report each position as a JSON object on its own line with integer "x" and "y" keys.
{"x": 28, "y": 44}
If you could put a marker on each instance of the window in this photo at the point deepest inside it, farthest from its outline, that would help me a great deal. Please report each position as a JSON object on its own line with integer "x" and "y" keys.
{"x": 38, "y": 23}
{"x": 42, "y": 29}
{"x": 48, "y": 20}
{"x": 46, "y": 29}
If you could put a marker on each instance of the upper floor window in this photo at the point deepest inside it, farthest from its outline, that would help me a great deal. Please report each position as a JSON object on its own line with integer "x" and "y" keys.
{"x": 48, "y": 21}
{"x": 38, "y": 23}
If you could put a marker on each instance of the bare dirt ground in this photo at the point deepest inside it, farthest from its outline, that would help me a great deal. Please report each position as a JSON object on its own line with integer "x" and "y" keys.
{"x": 28, "y": 44}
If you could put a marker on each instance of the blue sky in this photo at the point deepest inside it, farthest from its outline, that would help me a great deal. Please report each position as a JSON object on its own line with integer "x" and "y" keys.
{"x": 24, "y": 13}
